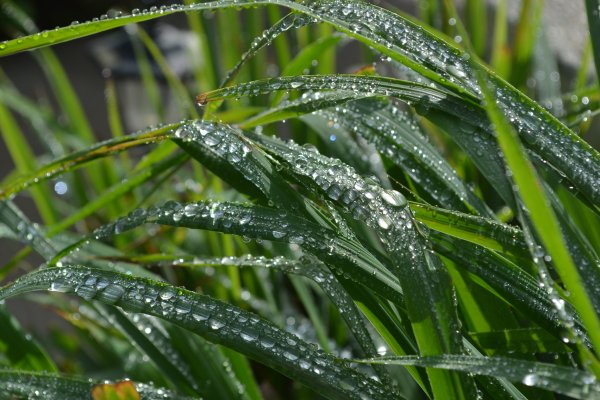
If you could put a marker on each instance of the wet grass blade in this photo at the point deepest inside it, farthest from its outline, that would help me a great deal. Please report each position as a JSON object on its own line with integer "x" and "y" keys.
{"x": 214, "y": 320}
{"x": 505, "y": 279}
{"x": 464, "y": 120}
{"x": 308, "y": 267}
{"x": 419, "y": 270}
{"x": 478, "y": 230}
{"x": 344, "y": 255}
{"x": 568, "y": 381}
{"x": 23, "y": 384}
{"x": 82, "y": 157}
{"x": 544, "y": 220}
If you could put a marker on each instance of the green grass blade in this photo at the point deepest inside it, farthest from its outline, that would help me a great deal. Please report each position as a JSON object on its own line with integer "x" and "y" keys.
{"x": 505, "y": 279}
{"x": 25, "y": 161}
{"x": 212, "y": 319}
{"x": 79, "y": 158}
{"x": 147, "y": 75}
{"x": 568, "y": 381}
{"x": 464, "y": 120}
{"x": 531, "y": 191}
{"x": 177, "y": 87}
{"x": 432, "y": 315}
{"x": 482, "y": 231}
{"x": 22, "y": 384}
{"x": 344, "y": 255}
{"x": 152, "y": 343}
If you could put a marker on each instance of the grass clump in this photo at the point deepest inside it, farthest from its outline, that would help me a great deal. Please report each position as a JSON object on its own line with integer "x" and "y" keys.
{"x": 421, "y": 227}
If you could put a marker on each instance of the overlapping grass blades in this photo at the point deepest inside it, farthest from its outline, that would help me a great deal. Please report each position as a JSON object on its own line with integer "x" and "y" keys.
{"x": 421, "y": 279}
{"x": 216, "y": 321}
{"x": 20, "y": 384}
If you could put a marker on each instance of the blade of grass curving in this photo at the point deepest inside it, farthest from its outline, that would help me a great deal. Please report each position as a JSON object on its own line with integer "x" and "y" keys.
{"x": 17, "y": 346}
{"x": 94, "y": 152}
{"x": 506, "y": 239}
{"x": 23, "y": 384}
{"x": 155, "y": 345}
{"x": 466, "y": 122}
{"x": 433, "y": 316}
{"x": 564, "y": 380}
{"x": 407, "y": 43}
{"x": 292, "y": 20}
{"x": 511, "y": 283}
{"x": 527, "y": 341}
{"x": 25, "y": 230}
{"x": 216, "y": 321}
{"x": 308, "y": 267}
{"x": 544, "y": 221}
{"x": 592, "y": 8}
{"x": 266, "y": 224}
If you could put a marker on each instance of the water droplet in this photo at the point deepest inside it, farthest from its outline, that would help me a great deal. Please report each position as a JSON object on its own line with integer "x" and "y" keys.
{"x": 113, "y": 293}
{"x": 530, "y": 379}
{"x": 278, "y": 234}
{"x": 215, "y": 324}
{"x": 393, "y": 198}
{"x": 384, "y": 221}
{"x": 60, "y": 286}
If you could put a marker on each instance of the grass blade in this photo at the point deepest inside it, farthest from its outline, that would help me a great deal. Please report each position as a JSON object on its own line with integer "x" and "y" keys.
{"x": 568, "y": 381}
{"x": 216, "y": 321}
{"x": 531, "y": 191}
{"x": 23, "y": 384}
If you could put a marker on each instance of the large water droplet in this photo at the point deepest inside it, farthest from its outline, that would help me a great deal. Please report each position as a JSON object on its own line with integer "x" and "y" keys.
{"x": 393, "y": 198}
{"x": 530, "y": 379}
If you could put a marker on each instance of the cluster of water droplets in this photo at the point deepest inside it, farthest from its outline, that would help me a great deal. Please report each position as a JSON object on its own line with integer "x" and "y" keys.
{"x": 288, "y": 22}
{"x": 554, "y": 143}
{"x": 390, "y": 31}
{"x": 398, "y": 137}
{"x": 220, "y": 139}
